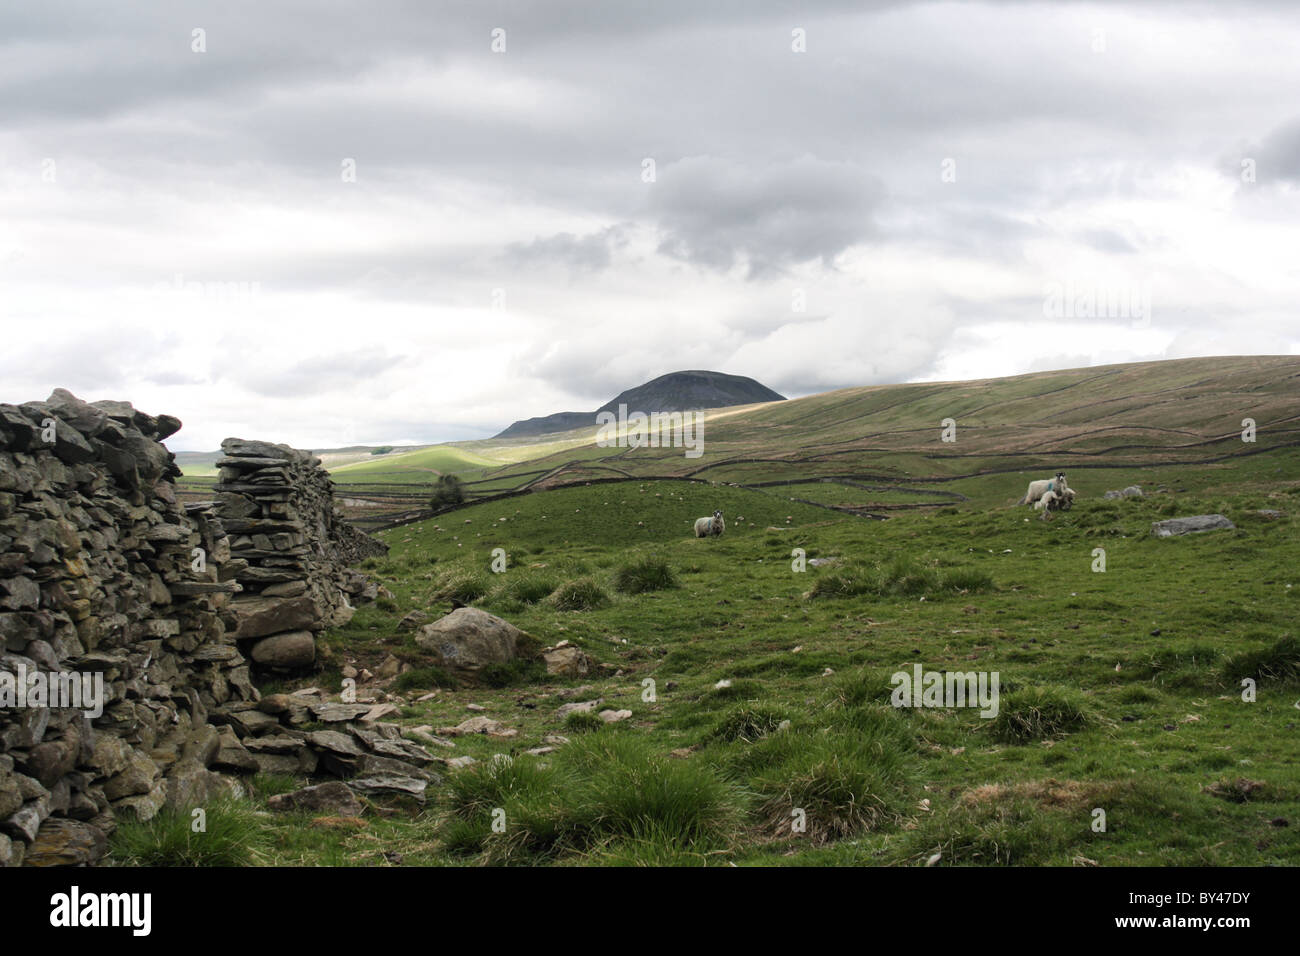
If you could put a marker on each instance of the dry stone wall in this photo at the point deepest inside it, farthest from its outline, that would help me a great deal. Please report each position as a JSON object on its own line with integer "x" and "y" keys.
{"x": 127, "y": 618}
{"x": 292, "y": 547}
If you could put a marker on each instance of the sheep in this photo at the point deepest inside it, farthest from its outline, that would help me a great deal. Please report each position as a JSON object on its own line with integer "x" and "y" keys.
{"x": 1039, "y": 488}
{"x": 706, "y": 527}
{"x": 1047, "y": 504}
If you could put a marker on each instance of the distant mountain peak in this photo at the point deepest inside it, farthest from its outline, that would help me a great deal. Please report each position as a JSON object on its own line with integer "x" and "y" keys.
{"x": 674, "y": 392}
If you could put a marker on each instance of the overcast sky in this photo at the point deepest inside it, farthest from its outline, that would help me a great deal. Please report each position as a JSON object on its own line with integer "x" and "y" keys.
{"x": 815, "y": 194}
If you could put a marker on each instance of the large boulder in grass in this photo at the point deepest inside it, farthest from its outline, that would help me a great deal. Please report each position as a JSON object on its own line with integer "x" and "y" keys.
{"x": 469, "y": 638}
{"x": 1193, "y": 525}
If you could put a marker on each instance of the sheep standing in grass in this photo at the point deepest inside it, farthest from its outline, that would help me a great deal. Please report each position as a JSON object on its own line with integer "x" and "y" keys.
{"x": 710, "y": 527}
{"x": 1039, "y": 488}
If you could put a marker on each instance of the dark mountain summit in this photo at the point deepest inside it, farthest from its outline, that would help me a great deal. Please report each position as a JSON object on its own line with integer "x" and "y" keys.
{"x": 674, "y": 392}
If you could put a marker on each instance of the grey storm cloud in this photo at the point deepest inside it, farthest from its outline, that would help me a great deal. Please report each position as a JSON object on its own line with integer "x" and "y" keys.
{"x": 1279, "y": 155}
{"x": 588, "y": 253}
{"x": 715, "y": 212}
{"x": 321, "y": 374}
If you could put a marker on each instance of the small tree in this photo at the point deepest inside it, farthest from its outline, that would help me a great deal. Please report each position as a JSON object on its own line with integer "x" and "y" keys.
{"x": 447, "y": 491}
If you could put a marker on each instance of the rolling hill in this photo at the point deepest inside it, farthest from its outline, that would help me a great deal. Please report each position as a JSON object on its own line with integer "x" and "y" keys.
{"x": 1146, "y": 413}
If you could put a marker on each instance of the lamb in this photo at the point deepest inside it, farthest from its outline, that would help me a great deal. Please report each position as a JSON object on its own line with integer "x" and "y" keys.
{"x": 706, "y": 527}
{"x": 1047, "y": 504}
{"x": 1039, "y": 488}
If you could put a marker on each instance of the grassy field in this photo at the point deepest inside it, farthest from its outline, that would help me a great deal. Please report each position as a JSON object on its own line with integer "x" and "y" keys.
{"x": 760, "y": 694}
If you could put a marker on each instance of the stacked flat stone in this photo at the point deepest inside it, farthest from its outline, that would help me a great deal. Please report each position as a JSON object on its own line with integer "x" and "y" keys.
{"x": 104, "y": 571}
{"x": 294, "y": 547}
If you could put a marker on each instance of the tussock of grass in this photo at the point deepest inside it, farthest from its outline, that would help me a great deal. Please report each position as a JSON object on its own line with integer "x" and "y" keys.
{"x": 1278, "y": 663}
{"x": 232, "y": 838}
{"x": 862, "y": 687}
{"x": 270, "y": 784}
{"x": 1035, "y": 822}
{"x": 1240, "y": 790}
{"x": 645, "y": 574}
{"x": 580, "y": 594}
{"x": 583, "y": 722}
{"x": 1037, "y": 713}
{"x": 904, "y": 576}
{"x": 1137, "y": 694}
{"x": 848, "y": 580}
{"x": 735, "y": 690}
{"x": 529, "y": 588}
{"x": 748, "y": 723}
{"x": 965, "y": 580}
{"x": 599, "y": 789}
{"x": 845, "y": 784}
{"x": 513, "y": 673}
{"x": 461, "y": 585}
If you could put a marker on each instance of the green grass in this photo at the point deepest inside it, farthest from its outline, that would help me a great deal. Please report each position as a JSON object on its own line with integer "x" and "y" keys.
{"x": 601, "y": 789}
{"x": 231, "y": 836}
{"x": 1120, "y": 690}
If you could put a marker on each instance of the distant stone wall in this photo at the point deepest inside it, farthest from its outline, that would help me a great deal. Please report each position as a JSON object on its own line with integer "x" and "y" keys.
{"x": 106, "y": 577}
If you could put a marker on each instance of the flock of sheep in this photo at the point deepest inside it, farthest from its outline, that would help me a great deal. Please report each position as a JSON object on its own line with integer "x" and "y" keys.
{"x": 1046, "y": 495}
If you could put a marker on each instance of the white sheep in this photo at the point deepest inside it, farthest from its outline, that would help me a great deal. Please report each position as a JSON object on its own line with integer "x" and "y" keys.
{"x": 706, "y": 527}
{"x": 1039, "y": 488}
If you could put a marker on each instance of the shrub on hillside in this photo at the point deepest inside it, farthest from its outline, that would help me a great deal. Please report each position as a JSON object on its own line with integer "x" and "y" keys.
{"x": 447, "y": 490}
